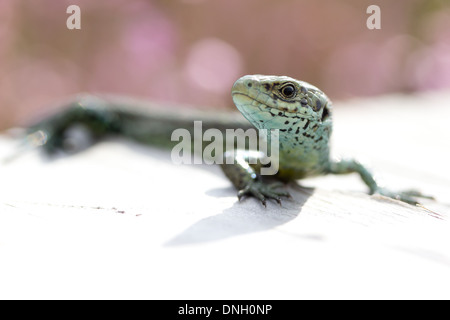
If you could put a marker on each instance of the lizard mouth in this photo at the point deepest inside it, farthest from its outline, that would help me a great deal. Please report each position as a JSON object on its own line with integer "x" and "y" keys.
{"x": 264, "y": 116}
{"x": 247, "y": 104}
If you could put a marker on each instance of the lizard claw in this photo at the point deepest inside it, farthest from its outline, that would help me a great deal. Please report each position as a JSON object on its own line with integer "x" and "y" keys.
{"x": 408, "y": 196}
{"x": 418, "y": 194}
{"x": 263, "y": 192}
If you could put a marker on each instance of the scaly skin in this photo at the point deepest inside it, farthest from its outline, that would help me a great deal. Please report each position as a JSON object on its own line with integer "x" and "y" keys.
{"x": 300, "y": 111}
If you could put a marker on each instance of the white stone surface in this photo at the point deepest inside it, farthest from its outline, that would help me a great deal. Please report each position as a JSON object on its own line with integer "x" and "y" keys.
{"x": 121, "y": 221}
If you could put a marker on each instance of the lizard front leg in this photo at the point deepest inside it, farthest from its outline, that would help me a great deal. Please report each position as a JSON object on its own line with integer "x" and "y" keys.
{"x": 350, "y": 166}
{"x": 246, "y": 178}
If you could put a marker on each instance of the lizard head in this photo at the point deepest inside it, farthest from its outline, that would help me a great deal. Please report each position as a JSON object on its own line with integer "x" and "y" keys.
{"x": 280, "y": 102}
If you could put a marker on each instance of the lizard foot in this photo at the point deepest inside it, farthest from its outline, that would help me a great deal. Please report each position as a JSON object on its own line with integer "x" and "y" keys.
{"x": 71, "y": 140}
{"x": 263, "y": 191}
{"x": 408, "y": 196}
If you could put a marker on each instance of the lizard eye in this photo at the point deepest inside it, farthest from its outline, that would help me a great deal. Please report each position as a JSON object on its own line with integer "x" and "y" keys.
{"x": 288, "y": 91}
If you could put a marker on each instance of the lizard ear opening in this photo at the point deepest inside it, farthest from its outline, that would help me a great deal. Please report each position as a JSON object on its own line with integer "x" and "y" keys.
{"x": 325, "y": 114}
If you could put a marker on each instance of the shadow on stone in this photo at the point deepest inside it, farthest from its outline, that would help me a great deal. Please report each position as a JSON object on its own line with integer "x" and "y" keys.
{"x": 247, "y": 216}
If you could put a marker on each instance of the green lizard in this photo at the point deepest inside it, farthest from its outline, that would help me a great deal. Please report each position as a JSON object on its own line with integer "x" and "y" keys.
{"x": 301, "y": 112}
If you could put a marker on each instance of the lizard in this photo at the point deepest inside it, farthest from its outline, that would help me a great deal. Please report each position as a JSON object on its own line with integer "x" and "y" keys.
{"x": 301, "y": 112}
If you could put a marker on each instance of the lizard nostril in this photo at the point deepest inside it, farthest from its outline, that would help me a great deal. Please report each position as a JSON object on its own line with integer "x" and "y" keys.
{"x": 249, "y": 84}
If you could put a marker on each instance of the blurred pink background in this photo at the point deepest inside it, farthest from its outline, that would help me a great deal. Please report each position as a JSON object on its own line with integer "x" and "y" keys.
{"x": 191, "y": 51}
